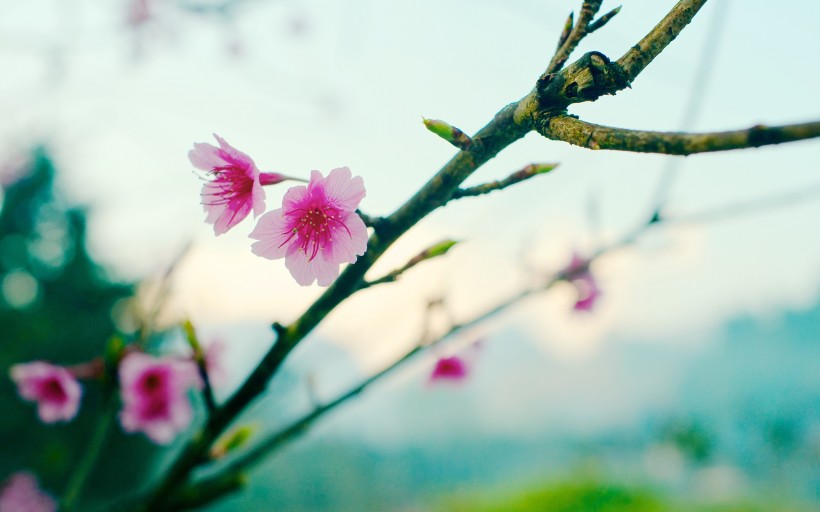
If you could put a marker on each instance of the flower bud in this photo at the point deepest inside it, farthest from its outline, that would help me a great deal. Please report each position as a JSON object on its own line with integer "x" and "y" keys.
{"x": 449, "y": 133}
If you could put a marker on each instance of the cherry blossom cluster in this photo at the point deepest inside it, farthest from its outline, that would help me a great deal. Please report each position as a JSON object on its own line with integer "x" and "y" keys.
{"x": 153, "y": 392}
{"x": 154, "y": 396}
{"x": 316, "y": 229}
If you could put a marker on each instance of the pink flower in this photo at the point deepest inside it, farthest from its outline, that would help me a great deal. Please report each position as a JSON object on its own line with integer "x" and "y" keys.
{"x": 586, "y": 286}
{"x": 449, "y": 368}
{"x": 155, "y": 395}
{"x": 55, "y": 390}
{"x": 317, "y": 228}
{"x": 139, "y": 12}
{"x": 22, "y": 494}
{"x": 236, "y": 187}
{"x": 214, "y": 357}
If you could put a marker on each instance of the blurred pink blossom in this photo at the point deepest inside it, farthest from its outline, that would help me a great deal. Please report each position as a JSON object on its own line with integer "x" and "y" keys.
{"x": 214, "y": 357}
{"x": 586, "y": 286}
{"x": 21, "y": 493}
{"x": 451, "y": 368}
{"x": 54, "y": 388}
{"x": 155, "y": 395}
{"x": 236, "y": 187}
{"x": 317, "y": 228}
{"x": 139, "y": 12}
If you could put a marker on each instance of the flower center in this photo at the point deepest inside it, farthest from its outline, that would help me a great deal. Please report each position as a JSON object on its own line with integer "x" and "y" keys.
{"x": 314, "y": 229}
{"x": 53, "y": 390}
{"x": 229, "y": 183}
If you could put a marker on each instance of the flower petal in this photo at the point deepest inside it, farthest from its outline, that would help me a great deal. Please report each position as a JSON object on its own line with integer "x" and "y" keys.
{"x": 345, "y": 191}
{"x": 271, "y": 231}
{"x": 348, "y": 243}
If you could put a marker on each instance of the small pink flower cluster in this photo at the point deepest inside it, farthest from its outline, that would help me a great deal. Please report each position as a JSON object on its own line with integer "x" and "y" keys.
{"x": 451, "y": 368}
{"x": 21, "y": 493}
{"x": 317, "y": 228}
{"x": 154, "y": 393}
{"x": 586, "y": 286}
{"x": 457, "y": 367}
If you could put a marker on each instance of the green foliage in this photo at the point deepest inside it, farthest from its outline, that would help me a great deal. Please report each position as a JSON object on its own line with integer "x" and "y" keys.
{"x": 56, "y": 305}
{"x": 691, "y": 437}
{"x": 586, "y": 495}
{"x": 576, "y": 496}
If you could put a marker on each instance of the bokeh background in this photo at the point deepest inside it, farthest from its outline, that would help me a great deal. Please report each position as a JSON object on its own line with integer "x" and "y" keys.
{"x": 693, "y": 384}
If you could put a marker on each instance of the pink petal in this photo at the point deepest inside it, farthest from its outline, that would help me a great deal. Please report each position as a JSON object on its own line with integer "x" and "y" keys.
{"x": 346, "y": 192}
{"x": 326, "y": 271}
{"x": 258, "y": 198}
{"x": 272, "y": 231}
{"x": 21, "y": 493}
{"x": 205, "y": 156}
{"x": 297, "y": 262}
{"x": 350, "y": 243}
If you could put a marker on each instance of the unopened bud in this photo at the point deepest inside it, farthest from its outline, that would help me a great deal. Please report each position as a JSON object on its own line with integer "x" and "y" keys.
{"x": 231, "y": 441}
{"x": 567, "y": 29}
{"x": 603, "y": 20}
{"x": 533, "y": 169}
{"x": 193, "y": 341}
{"x": 434, "y": 251}
{"x": 449, "y": 133}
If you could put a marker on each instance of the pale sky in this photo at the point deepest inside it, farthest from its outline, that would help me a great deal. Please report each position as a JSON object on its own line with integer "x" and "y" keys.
{"x": 320, "y": 84}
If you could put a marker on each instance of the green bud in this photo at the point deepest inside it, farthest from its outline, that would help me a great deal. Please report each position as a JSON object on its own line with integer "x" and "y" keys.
{"x": 234, "y": 439}
{"x": 193, "y": 341}
{"x": 434, "y": 251}
{"x": 449, "y": 133}
{"x": 532, "y": 170}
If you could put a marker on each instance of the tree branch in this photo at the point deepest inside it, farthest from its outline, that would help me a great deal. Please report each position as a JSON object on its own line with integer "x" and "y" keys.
{"x": 593, "y": 136}
{"x": 524, "y": 174}
{"x": 639, "y": 56}
{"x": 595, "y": 75}
{"x": 568, "y": 43}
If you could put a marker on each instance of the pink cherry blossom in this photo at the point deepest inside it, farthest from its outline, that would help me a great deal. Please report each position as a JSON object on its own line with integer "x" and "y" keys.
{"x": 139, "y": 12}
{"x": 154, "y": 394}
{"x": 317, "y": 228}
{"x": 54, "y": 388}
{"x": 21, "y": 493}
{"x": 449, "y": 368}
{"x": 215, "y": 353}
{"x": 586, "y": 286}
{"x": 236, "y": 187}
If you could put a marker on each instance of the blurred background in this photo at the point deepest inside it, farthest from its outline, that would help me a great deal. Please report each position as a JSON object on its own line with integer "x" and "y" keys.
{"x": 692, "y": 385}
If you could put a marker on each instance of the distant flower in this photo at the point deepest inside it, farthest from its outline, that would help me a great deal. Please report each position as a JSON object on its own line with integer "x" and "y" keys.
{"x": 449, "y": 368}
{"x": 214, "y": 362}
{"x": 155, "y": 395}
{"x": 585, "y": 284}
{"x": 21, "y": 493}
{"x": 55, "y": 390}
{"x": 317, "y": 228}
{"x": 139, "y": 12}
{"x": 236, "y": 187}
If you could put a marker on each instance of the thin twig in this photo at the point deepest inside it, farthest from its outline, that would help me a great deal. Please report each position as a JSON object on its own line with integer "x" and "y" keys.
{"x": 577, "y": 32}
{"x": 639, "y": 56}
{"x": 524, "y": 174}
{"x": 201, "y": 364}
